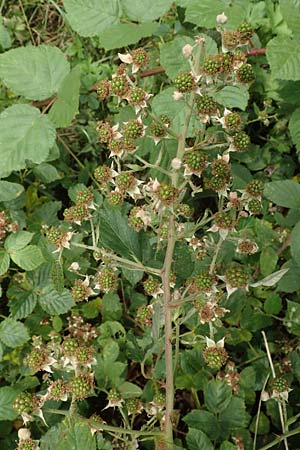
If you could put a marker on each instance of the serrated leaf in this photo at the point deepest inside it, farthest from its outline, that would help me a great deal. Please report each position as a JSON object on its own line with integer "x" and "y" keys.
{"x": 4, "y": 262}
{"x": 65, "y": 107}
{"x": 91, "y": 17}
{"x": 290, "y": 10}
{"x": 294, "y": 127}
{"x": 10, "y": 191}
{"x": 25, "y": 134}
{"x": 234, "y": 416}
{"x": 7, "y": 397}
{"x": 123, "y": 34}
{"x": 204, "y": 13}
{"x": 217, "y": 395}
{"x": 28, "y": 258}
{"x": 17, "y": 241}
{"x": 146, "y": 10}
{"x": 13, "y": 333}
{"x": 171, "y": 57}
{"x": 284, "y": 193}
{"x": 34, "y": 72}
{"x": 57, "y": 276}
{"x": 46, "y": 173}
{"x": 78, "y": 437}
{"x": 111, "y": 307}
{"x": 233, "y": 97}
{"x": 284, "y": 58}
{"x": 204, "y": 421}
{"x": 23, "y": 305}
{"x": 55, "y": 303}
{"x": 129, "y": 390}
{"x": 270, "y": 280}
{"x": 197, "y": 440}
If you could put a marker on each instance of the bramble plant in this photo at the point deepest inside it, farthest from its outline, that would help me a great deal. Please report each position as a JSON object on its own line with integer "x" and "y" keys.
{"x": 144, "y": 268}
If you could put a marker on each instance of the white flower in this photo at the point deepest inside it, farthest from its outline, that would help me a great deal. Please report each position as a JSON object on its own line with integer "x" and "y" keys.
{"x": 211, "y": 343}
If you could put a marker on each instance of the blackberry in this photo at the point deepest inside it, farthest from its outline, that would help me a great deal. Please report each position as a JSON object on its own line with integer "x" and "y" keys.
{"x": 114, "y": 398}
{"x": 255, "y": 188}
{"x": 27, "y": 444}
{"x": 76, "y": 213}
{"x": 133, "y": 129}
{"x": 233, "y": 121}
{"x": 247, "y": 247}
{"x": 245, "y": 32}
{"x": 227, "y": 62}
{"x": 84, "y": 355}
{"x": 115, "y": 198}
{"x": 196, "y": 161}
{"x": 106, "y": 281}
{"x": 144, "y": 315}
{"x": 151, "y": 286}
{"x": 58, "y": 390}
{"x": 85, "y": 196}
{"x": 230, "y": 39}
{"x": 140, "y": 57}
{"x": 104, "y": 131}
{"x": 215, "y": 357}
{"x": 212, "y": 65}
{"x": 220, "y": 167}
{"x": 279, "y": 385}
{"x": 133, "y": 405}
{"x": 134, "y": 221}
{"x": 70, "y": 346}
{"x": 241, "y": 141}
{"x": 57, "y": 237}
{"x": 24, "y": 403}
{"x": 119, "y": 85}
{"x": 216, "y": 183}
{"x": 103, "y": 89}
{"x": 157, "y": 128}
{"x": 36, "y": 359}
{"x": 206, "y": 105}
{"x": 125, "y": 181}
{"x": 254, "y": 206}
{"x": 184, "y": 210}
{"x": 224, "y": 220}
{"x": 202, "y": 282}
{"x": 159, "y": 399}
{"x": 237, "y": 276}
{"x": 245, "y": 73}
{"x": 185, "y": 82}
{"x": 136, "y": 96}
{"x": 80, "y": 291}
{"x": 81, "y": 386}
{"x": 103, "y": 174}
{"x": 167, "y": 193}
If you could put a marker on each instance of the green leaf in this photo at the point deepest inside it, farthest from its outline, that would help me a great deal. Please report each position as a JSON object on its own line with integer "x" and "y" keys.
{"x": 116, "y": 234}
{"x": 111, "y": 307}
{"x": 78, "y": 437}
{"x": 197, "y": 440}
{"x": 146, "y": 10}
{"x": 171, "y": 57}
{"x": 4, "y": 262}
{"x": 5, "y": 39}
{"x": 183, "y": 265}
{"x": 284, "y": 193}
{"x": 7, "y": 397}
{"x": 28, "y": 258}
{"x": 204, "y": 421}
{"x": 10, "y": 191}
{"x": 295, "y": 242}
{"x": 292, "y": 317}
{"x": 90, "y": 18}
{"x": 284, "y": 58}
{"x": 268, "y": 260}
{"x": 57, "y": 276}
{"x": 217, "y": 395}
{"x": 123, "y": 34}
{"x": 46, "y": 173}
{"x": 233, "y": 97}
{"x": 17, "y": 241}
{"x": 25, "y": 134}
{"x": 270, "y": 280}
{"x": 13, "y": 333}
{"x": 34, "y": 72}
{"x": 129, "y": 390}
{"x": 204, "y": 13}
{"x": 290, "y": 282}
{"x": 55, "y": 303}
{"x": 65, "y": 107}
{"x": 294, "y": 127}
{"x": 164, "y": 103}
{"x": 273, "y": 304}
{"x": 290, "y": 10}
{"x": 234, "y": 416}
{"x": 23, "y": 305}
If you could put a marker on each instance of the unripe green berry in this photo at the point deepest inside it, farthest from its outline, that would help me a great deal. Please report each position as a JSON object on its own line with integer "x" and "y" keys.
{"x": 255, "y": 188}
{"x": 136, "y": 96}
{"x": 58, "y": 390}
{"x": 133, "y": 129}
{"x": 70, "y": 346}
{"x": 230, "y": 39}
{"x": 151, "y": 286}
{"x": 103, "y": 174}
{"x": 212, "y": 65}
{"x": 254, "y": 206}
{"x": 196, "y": 161}
{"x": 144, "y": 315}
{"x": 245, "y": 31}
{"x": 185, "y": 82}
{"x": 27, "y": 444}
{"x": 140, "y": 57}
{"x": 245, "y": 73}
{"x": 233, "y": 121}
{"x": 167, "y": 193}
{"x": 24, "y": 403}
{"x": 125, "y": 181}
{"x": 134, "y": 221}
{"x": 279, "y": 385}
{"x": 76, "y": 213}
{"x": 206, "y": 105}
{"x": 224, "y": 220}
{"x": 106, "y": 281}
{"x": 104, "y": 131}
{"x": 85, "y": 196}
{"x": 220, "y": 167}
{"x": 81, "y": 386}
{"x": 80, "y": 291}
{"x": 215, "y": 357}
{"x": 203, "y": 282}
{"x": 115, "y": 198}
{"x": 237, "y": 276}
{"x": 103, "y": 89}
{"x": 241, "y": 141}
{"x": 119, "y": 85}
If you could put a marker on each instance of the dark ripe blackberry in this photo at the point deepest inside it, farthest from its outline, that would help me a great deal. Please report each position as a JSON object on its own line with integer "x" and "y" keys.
{"x": 245, "y": 73}
{"x": 255, "y": 188}
{"x": 103, "y": 174}
{"x": 206, "y": 105}
{"x": 134, "y": 221}
{"x": 212, "y": 65}
{"x": 184, "y": 82}
{"x": 196, "y": 161}
{"x": 215, "y": 357}
{"x": 119, "y": 85}
{"x": 133, "y": 129}
{"x": 237, "y": 276}
{"x": 245, "y": 32}
{"x": 103, "y": 89}
{"x": 241, "y": 141}
{"x": 125, "y": 181}
{"x": 254, "y": 206}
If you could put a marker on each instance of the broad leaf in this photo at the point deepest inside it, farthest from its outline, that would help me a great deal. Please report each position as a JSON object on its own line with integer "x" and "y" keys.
{"x": 129, "y": 390}
{"x": 295, "y": 242}
{"x": 290, "y": 10}
{"x": 13, "y": 333}
{"x": 233, "y": 97}
{"x": 28, "y": 258}
{"x": 204, "y": 421}
{"x": 204, "y": 13}
{"x": 91, "y": 17}
{"x": 23, "y": 305}
{"x": 234, "y": 416}
{"x": 34, "y": 72}
{"x": 7, "y": 396}
{"x": 197, "y": 440}
{"x": 5, "y": 39}
{"x": 4, "y": 262}
{"x": 294, "y": 127}
{"x": 10, "y": 191}
{"x": 66, "y": 106}
{"x": 284, "y": 193}
{"x": 78, "y": 437}
{"x": 123, "y": 34}
{"x": 217, "y": 395}
{"x": 46, "y": 173}
{"x": 284, "y": 58}
{"x": 17, "y": 241}
{"x": 25, "y": 134}
{"x": 55, "y": 303}
{"x": 270, "y": 280}
{"x": 171, "y": 57}
{"x": 146, "y": 10}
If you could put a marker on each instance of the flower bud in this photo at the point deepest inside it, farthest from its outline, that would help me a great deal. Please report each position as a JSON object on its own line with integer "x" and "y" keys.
{"x": 187, "y": 51}
{"x": 221, "y": 19}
